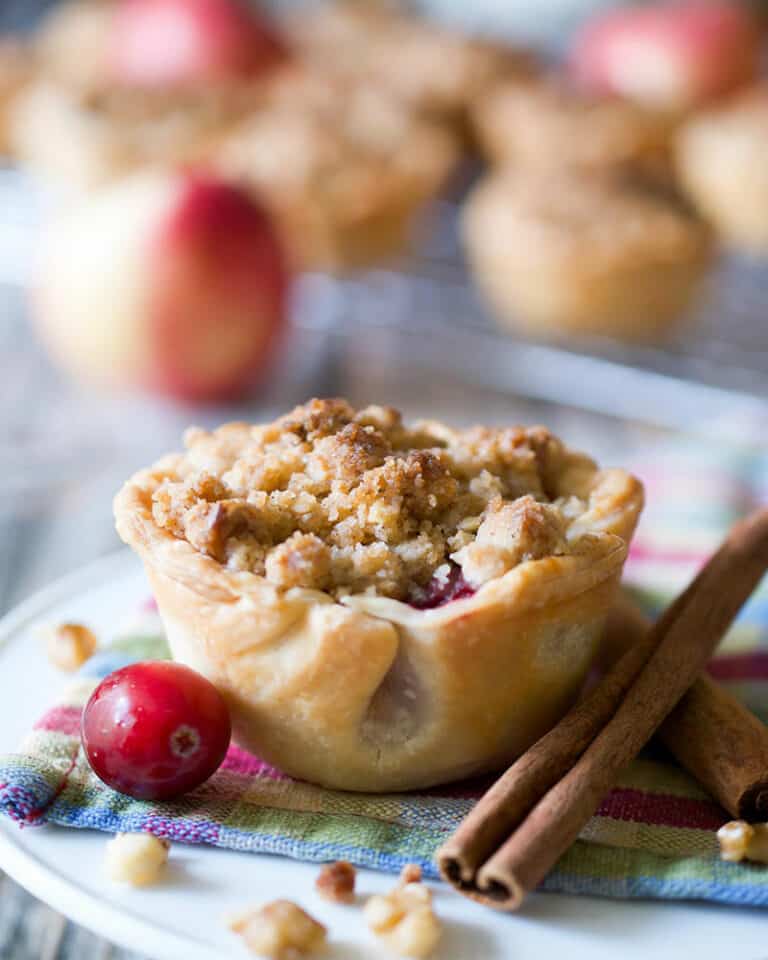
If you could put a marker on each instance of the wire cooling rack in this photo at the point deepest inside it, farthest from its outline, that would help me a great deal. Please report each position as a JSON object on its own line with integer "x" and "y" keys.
{"x": 425, "y": 312}
{"x": 716, "y": 367}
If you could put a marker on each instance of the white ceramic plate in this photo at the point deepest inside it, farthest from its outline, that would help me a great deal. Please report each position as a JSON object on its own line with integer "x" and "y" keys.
{"x": 184, "y": 917}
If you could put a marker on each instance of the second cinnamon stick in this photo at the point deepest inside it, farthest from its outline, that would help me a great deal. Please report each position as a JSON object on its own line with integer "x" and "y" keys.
{"x": 710, "y": 733}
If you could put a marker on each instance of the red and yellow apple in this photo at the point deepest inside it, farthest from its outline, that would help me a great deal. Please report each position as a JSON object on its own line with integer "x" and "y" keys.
{"x": 171, "y": 282}
{"x": 171, "y": 43}
{"x": 674, "y": 55}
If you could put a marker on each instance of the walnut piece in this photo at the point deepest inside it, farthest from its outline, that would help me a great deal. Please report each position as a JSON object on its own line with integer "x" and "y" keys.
{"x": 740, "y": 840}
{"x": 280, "y": 930}
{"x": 69, "y": 645}
{"x": 404, "y": 920}
{"x": 354, "y": 501}
{"x": 303, "y": 560}
{"x": 512, "y": 533}
{"x": 336, "y": 882}
{"x": 136, "y": 858}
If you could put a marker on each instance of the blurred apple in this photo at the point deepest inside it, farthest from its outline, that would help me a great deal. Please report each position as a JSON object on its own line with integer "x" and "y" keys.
{"x": 172, "y": 282}
{"x": 670, "y": 55}
{"x": 170, "y": 43}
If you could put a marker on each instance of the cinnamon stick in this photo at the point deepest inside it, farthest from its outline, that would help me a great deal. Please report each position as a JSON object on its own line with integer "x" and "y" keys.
{"x": 710, "y": 733}
{"x": 508, "y": 801}
{"x": 483, "y": 859}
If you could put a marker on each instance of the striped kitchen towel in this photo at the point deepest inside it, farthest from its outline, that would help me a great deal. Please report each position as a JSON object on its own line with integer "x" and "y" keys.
{"x": 653, "y": 836}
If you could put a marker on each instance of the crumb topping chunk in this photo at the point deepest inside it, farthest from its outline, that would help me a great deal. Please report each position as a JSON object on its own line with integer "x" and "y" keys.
{"x": 355, "y": 501}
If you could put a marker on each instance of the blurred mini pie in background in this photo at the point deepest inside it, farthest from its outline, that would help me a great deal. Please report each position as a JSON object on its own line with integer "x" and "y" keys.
{"x": 16, "y": 69}
{"x": 344, "y": 122}
{"x": 342, "y": 162}
{"x": 103, "y": 134}
{"x": 545, "y": 124}
{"x": 562, "y": 254}
{"x": 71, "y": 44}
{"x": 383, "y": 606}
{"x": 430, "y": 67}
{"x": 115, "y": 88}
{"x": 722, "y": 160}
{"x": 343, "y": 168}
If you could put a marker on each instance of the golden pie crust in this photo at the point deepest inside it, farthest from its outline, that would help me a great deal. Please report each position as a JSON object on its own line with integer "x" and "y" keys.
{"x": 542, "y": 124}
{"x": 16, "y": 71}
{"x": 722, "y": 161}
{"x": 429, "y": 67}
{"x": 594, "y": 255}
{"x": 362, "y": 691}
{"x": 102, "y": 134}
{"x": 344, "y": 167}
{"x": 71, "y": 45}
{"x": 103, "y": 128}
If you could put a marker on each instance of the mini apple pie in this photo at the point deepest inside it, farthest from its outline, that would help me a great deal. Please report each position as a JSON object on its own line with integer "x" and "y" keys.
{"x": 71, "y": 45}
{"x": 384, "y": 606}
{"x": 110, "y": 110}
{"x": 723, "y": 164}
{"x": 16, "y": 71}
{"x": 575, "y": 254}
{"x": 428, "y": 66}
{"x": 102, "y": 134}
{"x": 546, "y": 125}
{"x": 344, "y": 167}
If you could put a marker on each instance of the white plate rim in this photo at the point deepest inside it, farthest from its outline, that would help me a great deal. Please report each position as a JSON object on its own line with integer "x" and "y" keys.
{"x": 119, "y": 926}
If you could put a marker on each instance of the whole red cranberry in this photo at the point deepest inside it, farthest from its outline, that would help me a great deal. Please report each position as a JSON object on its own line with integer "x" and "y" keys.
{"x": 155, "y": 730}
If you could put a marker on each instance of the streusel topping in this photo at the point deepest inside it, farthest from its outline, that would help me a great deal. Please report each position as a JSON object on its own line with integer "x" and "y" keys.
{"x": 429, "y": 67}
{"x": 349, "y": 501}
{"x": 614, "y": 219}
{"x": 549, "y": 126}
{"x": 345, "y": 144}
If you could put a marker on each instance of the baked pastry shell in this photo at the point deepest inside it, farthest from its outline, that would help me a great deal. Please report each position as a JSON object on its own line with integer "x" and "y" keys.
{"x": 567, "y": 286}
{"x": 367, "y": 216}
{"x": 539, "y": 123}
{"x": 370, "y": 694}
{"x": 721, "y": 163}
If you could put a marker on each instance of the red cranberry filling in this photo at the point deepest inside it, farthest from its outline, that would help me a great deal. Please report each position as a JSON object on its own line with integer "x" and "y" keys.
{"x": 439, "y": 592}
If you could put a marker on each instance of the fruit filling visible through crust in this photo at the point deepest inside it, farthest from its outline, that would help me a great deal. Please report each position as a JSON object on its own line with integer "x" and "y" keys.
{"x": 349, "y": 502}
